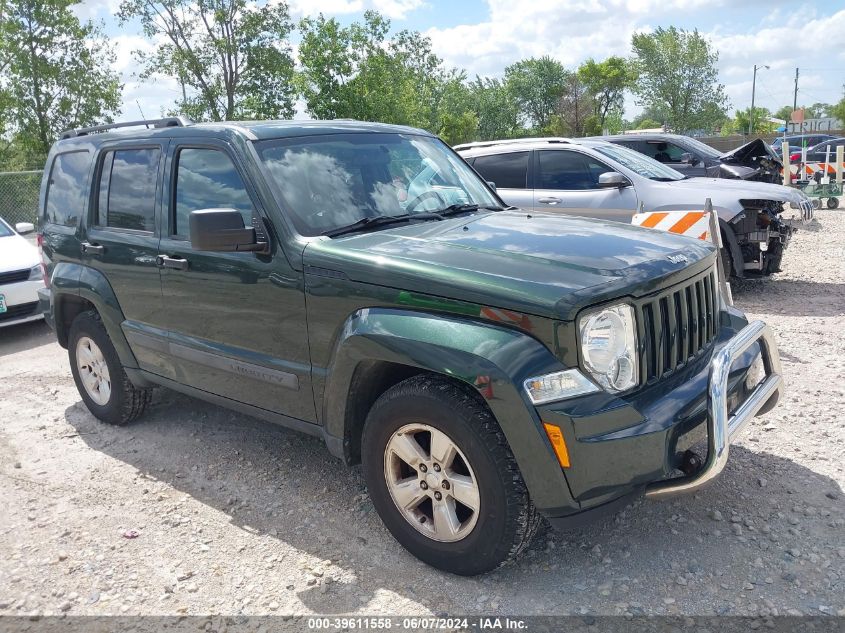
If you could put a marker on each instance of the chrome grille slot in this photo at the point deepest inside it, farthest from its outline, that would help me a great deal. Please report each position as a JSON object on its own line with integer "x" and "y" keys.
{"x": 676, "y": 325}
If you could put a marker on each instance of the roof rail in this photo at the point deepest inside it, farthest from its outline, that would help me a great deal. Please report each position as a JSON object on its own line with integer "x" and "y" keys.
{"x": 173, "y": 121}
{"x": 512, "y": 141}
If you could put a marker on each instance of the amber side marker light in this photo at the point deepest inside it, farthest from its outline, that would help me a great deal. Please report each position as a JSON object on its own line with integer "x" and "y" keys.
{"x": 558, "y": 444}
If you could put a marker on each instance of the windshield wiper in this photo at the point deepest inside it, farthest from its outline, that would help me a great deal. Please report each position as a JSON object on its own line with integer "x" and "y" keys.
{"x": 454, "y": 209}
{"x": 381, "y": 220}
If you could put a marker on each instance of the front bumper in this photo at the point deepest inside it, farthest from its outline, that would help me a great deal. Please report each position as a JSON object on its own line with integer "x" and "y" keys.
{"x": 721, "y": 425}
{"x": 624, "y": 447}
{"x": 21, "y": 300}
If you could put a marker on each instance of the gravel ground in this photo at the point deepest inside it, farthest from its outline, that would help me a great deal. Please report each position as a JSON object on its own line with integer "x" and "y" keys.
{"x": 235, "y": 516}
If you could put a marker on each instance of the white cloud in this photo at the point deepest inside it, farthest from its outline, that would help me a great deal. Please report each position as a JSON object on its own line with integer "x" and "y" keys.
{"x": 394, "y": 9}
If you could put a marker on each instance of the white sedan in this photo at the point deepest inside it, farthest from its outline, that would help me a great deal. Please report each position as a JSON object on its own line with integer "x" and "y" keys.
{"x": 20, "y": 275}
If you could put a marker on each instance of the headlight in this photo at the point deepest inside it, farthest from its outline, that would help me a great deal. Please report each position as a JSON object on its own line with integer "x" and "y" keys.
{"x": 609, "y": 347}
{"x": 35, "y": 273}
{"x": 558, "y": 386}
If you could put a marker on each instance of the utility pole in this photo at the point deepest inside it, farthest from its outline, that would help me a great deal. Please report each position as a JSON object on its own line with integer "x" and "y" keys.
{"x": 753, "y": 90}
{"x": 795, "y": 97}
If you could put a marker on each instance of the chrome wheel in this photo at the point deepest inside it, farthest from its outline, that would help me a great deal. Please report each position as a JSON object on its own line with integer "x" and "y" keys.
{"x": 93, "y": 371}
{"x": 431, "y": 482}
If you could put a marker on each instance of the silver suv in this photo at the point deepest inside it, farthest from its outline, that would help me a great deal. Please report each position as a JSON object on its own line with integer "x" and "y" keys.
{"x": 602, "y": 180}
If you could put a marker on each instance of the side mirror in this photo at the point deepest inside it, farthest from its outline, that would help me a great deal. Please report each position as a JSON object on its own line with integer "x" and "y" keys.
{"x": 222, "y": 230}
{"x": 612, "y": 179}
{"x": 24, "y": 227}
{"x": 491, "y": 184}
{"x": 688, "y": 159}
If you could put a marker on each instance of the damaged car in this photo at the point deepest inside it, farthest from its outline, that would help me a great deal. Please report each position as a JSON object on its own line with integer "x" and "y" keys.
{"x": 598, "y": 179}
{"x": 755, "y": 160}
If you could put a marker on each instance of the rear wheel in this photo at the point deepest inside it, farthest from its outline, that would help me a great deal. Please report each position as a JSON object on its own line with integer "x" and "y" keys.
{"x": 443, "y": 479}
{"x": 833, "y": 203}
{"x": 99, "y": 376}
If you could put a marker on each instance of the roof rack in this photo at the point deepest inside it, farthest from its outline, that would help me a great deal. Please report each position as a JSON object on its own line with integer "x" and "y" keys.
{"x": 173, "y": 121}
{"x": 513, "y": 141}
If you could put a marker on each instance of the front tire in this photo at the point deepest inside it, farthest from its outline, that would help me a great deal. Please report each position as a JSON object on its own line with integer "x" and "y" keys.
{"x": 99, "y": 376}
{"x": 443, "y": 479}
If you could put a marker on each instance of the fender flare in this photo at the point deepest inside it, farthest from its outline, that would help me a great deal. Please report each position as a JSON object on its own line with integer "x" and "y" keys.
{"x": 463, "y": 350}
{"x": 70, "y": 281}
{"x": 730, "y": 242}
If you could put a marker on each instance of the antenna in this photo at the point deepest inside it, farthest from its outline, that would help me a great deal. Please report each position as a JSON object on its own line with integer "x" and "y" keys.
{"x": 138, "y": 103}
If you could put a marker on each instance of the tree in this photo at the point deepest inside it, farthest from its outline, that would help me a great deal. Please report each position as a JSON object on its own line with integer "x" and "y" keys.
{"x": 740, "y": 124}
{"x": 838, "y": 111}
{"x": 536, "y": 86}
{"x": 55, "y": 75}
{"x": 606, "y": 83}
{"x": 678, "y": 76}
{"x": 784, "y": 113}
{"x": 357, "y": 72}
{"x": 231, "y": 57}
{"x": 495, "y": 108}
{"x": 575, "y": 114}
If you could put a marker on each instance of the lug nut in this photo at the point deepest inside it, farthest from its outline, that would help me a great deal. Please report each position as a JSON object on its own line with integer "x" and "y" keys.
{"x": 423, "y": 485}
{"x": 445, "y": 485}
{"x": 423, "y": 468}
{"x": 437, "y": 468}
{"x": 438, "y": 496}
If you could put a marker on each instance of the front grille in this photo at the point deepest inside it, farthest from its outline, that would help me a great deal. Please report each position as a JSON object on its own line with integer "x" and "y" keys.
{"x": 14, "y": 276}
{"x": 676, "y": 326}
{"x": 19, "y": 311}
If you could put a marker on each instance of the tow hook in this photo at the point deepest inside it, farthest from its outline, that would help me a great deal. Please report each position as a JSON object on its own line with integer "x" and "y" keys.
{"x": 691, "y": 462}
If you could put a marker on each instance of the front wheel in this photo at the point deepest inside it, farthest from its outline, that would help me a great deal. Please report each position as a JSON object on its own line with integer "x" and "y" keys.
{"x": 443, "y": 479}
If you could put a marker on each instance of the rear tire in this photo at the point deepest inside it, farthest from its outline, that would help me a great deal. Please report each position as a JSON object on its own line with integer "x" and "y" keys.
{"x": 833, "y": 203}
{"x": 99, "y": 376}
{"x": 453, "y": 456}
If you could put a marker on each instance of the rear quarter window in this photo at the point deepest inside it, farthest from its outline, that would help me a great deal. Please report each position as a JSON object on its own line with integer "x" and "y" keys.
{"x": 66, "y": 188}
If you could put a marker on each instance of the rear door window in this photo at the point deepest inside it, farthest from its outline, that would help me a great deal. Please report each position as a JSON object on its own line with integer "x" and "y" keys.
{"x": 568, "y": 170}
{"x": 127, "y": 191}
{"x": 663, "y": 152}
{"x": 66, "y": 188}
{"x": 507, "y": 171}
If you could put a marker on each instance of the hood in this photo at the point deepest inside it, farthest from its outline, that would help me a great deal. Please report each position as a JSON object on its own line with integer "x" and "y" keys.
{"x": 16, "y": 254}
{"x": 750, "y": 154}
{"x": 541, "y": 264}
{"x": 720, "y": 189}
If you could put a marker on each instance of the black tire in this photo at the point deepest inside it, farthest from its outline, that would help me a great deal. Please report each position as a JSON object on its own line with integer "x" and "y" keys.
{"x": 506, "y": 520}
{"x": 125, "y": 402}
{"x": 833, "y": 203}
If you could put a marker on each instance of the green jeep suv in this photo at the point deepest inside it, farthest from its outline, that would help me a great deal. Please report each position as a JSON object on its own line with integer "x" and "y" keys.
{"x": 361, "y": 283}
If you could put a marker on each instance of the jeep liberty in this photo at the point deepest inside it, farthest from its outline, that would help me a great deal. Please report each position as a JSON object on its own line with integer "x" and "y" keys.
{"x": 361, "y": 283}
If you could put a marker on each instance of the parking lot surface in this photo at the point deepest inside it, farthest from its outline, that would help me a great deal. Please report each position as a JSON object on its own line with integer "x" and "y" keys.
{"x": 197, "y": 510}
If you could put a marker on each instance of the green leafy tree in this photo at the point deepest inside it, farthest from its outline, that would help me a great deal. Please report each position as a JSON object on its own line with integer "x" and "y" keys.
{"x": 358, "y": 72}
{"x": 231, "y": 57}
{"x": 606, "y": 83}
{"x": 784, "y": 113}
{"x": 742, "y": 120}
{"x": 536, "y": 86}
{"x": 495, "y": 108}
{"x": 838, "y": 110}
{"x": 678, "y": 77}
{"x": 647, "y": 124}
{"x": 55, "y": 75}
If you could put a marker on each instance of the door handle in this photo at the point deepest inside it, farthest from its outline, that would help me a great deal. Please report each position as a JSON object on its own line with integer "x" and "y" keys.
{"x": 93, "y": 249}
{"x": 177, "y": 263}
{"x": 548, "y": 200}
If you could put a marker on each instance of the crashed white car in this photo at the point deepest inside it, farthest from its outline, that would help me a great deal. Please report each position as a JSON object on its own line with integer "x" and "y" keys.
{"x": 21, "y": 275}
{"x": 599, "y": 179}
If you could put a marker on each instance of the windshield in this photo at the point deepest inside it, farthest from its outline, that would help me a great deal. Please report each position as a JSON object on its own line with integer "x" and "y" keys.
{"x": 334, "y": 180}
{"x": 638, "y": 163}
{"x": 702, "y": 148}
{"x": 5, "y": 230}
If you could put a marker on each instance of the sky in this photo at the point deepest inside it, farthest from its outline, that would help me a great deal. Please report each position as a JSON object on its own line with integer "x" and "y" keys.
{"x": 484, "y": 36}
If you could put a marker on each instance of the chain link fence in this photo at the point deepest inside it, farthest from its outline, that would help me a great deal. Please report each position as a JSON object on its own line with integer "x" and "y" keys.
{"x": 19, "y": 195}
